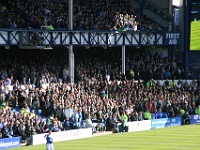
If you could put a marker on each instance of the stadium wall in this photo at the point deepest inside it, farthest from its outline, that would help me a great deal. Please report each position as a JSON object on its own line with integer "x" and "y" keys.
{"x": 63, "y": 136}
{"x": 194, "y": 62}
{"x": 133, "y": 126}
{"x": 8, "y": 143}
{"x": 160, "y": 51}
{"x": 158, "y": 123}
{"x": 155, "y": 17}
{"x": 146, "y": 11}
{"x": 195, "y": 119}
{"x": 164, "y": 4}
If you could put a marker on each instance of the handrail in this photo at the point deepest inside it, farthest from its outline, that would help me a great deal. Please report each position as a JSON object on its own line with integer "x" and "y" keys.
{"x": 86, "y": 31}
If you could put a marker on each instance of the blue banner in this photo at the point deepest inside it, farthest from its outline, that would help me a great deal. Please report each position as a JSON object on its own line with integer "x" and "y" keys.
{"x": 195, "y": 119}
{"x": 175, "y": 121}
{"x": 159, "y": 123}
{"x": 166, "y": 122}
{"x": 172, "y": 39}
{"x": 10, "y": 143}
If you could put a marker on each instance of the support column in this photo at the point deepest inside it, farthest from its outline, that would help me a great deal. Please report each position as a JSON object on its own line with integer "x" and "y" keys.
{"x": 141, "y": 6}
{"x": 71, "y": 63}
{"x": 185, "y": 27}
{"x": 123, "y": 60}
{"x": 70, "y": 48}
{"x": 170, "y": 12}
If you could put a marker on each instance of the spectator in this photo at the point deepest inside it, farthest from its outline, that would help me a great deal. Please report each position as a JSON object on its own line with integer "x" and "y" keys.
{"x": 159, "y": 114}
{"x": 68, "y": 112}
{"x": 167, "y": 74}
{"x": 90, "y": 124}
{"x": 6, "y": 131}
{"x": 147, "y": 115}
{"x": 111, "y": 123}
{"x": 38, "y": 130}
{"x": 67, "y": 124}
{"x": 59, "y": 113}
{"x": 134, "y": 116}
{"x": 103, "y": 16}
{"x": 186, "y": 119}
{"x": 54, "y": 127}
{"x": 124, "y": 117}
{"x": 1, "y": 124}
{"x": 22, "y": 132}
{"x": 100, "y": 90}
{"x": 197, "y": 111}
{"x": 123, "y": 127}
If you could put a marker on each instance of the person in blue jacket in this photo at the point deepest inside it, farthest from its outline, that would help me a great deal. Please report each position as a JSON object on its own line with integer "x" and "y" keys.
{"x": 49, "y": 139}
{"x": 159, "y": 114}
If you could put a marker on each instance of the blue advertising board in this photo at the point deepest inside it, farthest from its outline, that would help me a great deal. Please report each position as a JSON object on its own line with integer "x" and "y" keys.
{"x": 10, "y": 143}
{"x": 195, "y": 119}
{"x": 159, "y": 123}
{"x": 175, "y": 121}
{"x": 166, "y": 122}
{"x": 172, "y": 39}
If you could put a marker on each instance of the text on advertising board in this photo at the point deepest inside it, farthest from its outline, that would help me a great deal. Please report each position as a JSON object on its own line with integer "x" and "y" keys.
{"x": 8, "y": 143}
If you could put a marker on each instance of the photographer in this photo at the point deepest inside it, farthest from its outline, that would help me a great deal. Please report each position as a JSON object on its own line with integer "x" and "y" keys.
{"x": 30, "y": 130}
{"x": 186, "y": 119}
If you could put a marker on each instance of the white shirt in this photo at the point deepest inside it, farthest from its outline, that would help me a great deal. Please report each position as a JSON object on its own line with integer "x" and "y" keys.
{"x": 88, "y": 123}
{"x": 1, "y": 125}
{"x": 134, "y": 27}
{"x": 108, "y": 77}
{"x": 68, "y": 113}
{"x": 7, "y": 82}
{"x": 65, "y": 72}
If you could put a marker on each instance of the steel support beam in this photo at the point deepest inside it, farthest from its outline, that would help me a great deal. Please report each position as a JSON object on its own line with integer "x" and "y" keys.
{"x": 70, "y": 48}
{"x": 123, "y": 60}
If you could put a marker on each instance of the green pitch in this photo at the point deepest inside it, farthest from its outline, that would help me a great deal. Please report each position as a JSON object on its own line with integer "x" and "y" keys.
{"x": 173, "y": 138}
{"x": 195, "y": 36}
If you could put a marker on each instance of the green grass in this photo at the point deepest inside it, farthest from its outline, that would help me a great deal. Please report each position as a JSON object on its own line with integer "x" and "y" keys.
{"x": 173, "y": 138}
{"x": 195, "y": 36}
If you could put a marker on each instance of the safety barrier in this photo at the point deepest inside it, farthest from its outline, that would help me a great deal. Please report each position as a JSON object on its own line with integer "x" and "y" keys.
{"x": 139, "y": 125}
{"x": 152, "y": 124}
{"x": 8, "y": 143}
{"x": 166, "y": 122}
{"x": 132, "y": 127}
{"x": 195, "y": 119}
{"x": 63, "y": 136}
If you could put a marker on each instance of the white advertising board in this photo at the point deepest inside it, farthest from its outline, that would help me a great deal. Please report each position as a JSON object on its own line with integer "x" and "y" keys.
{"x": 63, "y": 136}
{"x": 139, "y": 125}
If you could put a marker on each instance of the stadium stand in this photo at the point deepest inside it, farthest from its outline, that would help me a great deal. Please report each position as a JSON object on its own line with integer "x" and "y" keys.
{"x": 36, "y": 95}
{"x": 88, "y": 15}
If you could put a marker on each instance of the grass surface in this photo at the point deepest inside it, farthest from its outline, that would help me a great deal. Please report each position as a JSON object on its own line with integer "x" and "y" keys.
{"x": 173, "y": 138}
{"x": 195, "y": 36}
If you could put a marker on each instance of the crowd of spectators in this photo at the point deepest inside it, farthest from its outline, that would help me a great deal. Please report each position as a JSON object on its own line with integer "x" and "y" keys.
{"x": 37, "y": 82}
{"x": 88, "y": 15}
{"x": 35, "y": 92}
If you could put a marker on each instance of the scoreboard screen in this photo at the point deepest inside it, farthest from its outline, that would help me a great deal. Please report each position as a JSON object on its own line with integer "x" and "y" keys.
{"x": 195, "y": 25}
